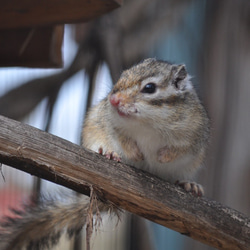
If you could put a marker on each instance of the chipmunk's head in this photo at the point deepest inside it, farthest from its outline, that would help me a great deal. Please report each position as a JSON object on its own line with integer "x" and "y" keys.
{"x": 149, "y": 89}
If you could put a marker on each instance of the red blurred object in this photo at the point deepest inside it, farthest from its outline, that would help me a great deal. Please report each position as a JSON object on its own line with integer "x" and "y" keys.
{"x": 11, "y": 199}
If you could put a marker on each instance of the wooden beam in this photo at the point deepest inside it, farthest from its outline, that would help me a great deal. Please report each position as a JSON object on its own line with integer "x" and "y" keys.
{"x": 32, "y": 47}
{"x": 29, "y": 13}
{"x": 65, "y": 163}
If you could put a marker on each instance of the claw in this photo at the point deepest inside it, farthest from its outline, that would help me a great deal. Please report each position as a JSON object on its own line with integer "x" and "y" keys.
{"x": 192, "y": 187}
{"x": 100, "y": 151}
{"x": 111, "y": 155}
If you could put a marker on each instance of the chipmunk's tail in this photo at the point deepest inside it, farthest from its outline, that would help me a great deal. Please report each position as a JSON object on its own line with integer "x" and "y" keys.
{"x": 39, "y": 227}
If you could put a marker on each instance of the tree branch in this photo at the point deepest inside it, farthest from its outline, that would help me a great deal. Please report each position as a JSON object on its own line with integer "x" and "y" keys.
{"x": 62, "y": 162}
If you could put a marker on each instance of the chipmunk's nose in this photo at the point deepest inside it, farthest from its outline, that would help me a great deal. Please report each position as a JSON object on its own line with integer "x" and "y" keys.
{"x": 115, "y": 99}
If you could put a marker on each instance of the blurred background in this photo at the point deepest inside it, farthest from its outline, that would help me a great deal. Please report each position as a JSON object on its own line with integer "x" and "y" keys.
{"x": 211, "y": 37}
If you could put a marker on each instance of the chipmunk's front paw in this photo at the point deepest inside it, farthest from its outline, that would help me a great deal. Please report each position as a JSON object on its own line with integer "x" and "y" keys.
{"x": 165, "y": 155}
{"x": 131, "y": 149}
{"x": 195, "y": 188}
{"x": 111, "y": 155}
{"x": 136, "y": 155}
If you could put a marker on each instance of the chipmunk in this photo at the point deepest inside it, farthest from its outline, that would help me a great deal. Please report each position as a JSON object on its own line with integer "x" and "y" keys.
{"x": 153, "y": 120}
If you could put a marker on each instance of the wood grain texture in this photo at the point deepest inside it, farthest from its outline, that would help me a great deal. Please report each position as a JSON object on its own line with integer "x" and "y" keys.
{"x": 29, "y": 13}
{"x": 57, "y": 160}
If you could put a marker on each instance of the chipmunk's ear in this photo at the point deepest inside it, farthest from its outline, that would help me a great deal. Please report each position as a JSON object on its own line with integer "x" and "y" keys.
{"x": 181, "y": 71}
{"x": 179, "y": 74}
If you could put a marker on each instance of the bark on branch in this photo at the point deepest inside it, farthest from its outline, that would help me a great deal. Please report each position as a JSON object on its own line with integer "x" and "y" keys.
{"x": 52, "y": 158}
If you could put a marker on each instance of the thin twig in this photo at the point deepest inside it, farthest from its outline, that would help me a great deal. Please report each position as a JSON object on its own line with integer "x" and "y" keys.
{"x": 1, "y": 170}
{"x": 26, "y": 41}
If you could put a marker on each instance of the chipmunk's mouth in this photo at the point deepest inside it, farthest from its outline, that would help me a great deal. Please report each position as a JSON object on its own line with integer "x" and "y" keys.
{"x": 121, "y": 113}
{"x": 124, "y": 109}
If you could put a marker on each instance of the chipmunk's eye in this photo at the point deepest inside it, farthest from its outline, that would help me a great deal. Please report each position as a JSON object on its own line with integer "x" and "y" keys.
{"x": 149, "y": 88}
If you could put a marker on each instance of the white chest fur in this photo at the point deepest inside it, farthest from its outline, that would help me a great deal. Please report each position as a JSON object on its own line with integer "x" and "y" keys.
{"x": 149, "y": 142}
